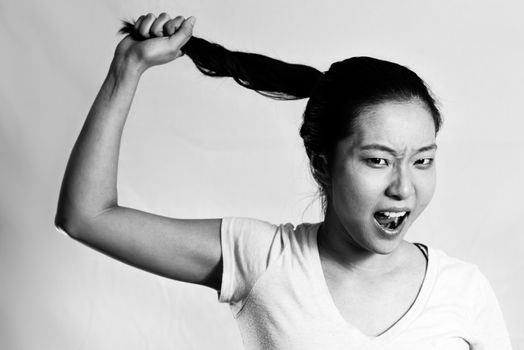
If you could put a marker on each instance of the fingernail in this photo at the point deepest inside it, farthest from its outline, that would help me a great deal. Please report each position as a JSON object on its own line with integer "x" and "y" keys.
{"x": 191, "y": 20}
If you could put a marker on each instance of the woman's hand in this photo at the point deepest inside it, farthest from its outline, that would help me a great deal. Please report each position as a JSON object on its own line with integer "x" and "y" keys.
{"x": 156, "y": 40}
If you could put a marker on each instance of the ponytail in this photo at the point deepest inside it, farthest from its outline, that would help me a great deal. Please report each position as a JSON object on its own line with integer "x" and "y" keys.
{"x": 336, "y": 97}
{"x": 267, "y": 76}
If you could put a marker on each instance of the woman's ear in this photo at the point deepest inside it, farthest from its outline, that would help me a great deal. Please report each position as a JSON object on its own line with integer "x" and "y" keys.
{"x": 320, "y": 165}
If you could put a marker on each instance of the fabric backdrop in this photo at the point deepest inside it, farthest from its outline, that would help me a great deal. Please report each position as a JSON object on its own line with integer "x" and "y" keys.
{"x": 197, "y": 147}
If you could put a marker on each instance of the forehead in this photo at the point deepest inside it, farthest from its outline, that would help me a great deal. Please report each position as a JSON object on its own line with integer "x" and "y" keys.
{"x": 400, "y": 125}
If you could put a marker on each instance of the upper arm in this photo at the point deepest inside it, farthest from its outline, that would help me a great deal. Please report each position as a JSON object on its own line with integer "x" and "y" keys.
{"x": 186, "y": 250}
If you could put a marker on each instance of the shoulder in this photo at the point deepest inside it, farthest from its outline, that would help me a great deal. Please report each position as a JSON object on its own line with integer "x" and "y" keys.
{"x": 249, "y": 247}
{"x": 450, "y": 263}
{"x": 458, "y": 277}
{"x": 256, "y": 237}
{"x": 260, "y": 237}
{"x": 255, "y": 226}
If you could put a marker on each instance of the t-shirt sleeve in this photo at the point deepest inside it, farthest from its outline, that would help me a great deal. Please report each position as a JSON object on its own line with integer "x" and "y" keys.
{"x": 487, "y": 320}
{"x": 248, "y": 247}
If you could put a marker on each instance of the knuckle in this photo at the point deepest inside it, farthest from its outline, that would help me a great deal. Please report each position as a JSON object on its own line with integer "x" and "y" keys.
{"x": 168, "y": 25}
{"x": 139, "y": 20}
{"x": 156, "y": 28}
{"x": 144, "y": 31}
{"x": 163, "y": 15}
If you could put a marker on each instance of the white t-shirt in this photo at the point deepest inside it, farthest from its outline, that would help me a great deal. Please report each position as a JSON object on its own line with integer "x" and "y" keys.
{"x": 274, "y": 283}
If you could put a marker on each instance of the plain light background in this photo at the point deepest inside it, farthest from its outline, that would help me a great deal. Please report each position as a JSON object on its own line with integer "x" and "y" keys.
{"x": 197, "y": 147}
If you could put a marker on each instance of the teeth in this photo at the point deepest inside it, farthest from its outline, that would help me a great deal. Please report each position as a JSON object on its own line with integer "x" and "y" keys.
{"x": 392, "y": 214}
{"x": 390, "y": 221}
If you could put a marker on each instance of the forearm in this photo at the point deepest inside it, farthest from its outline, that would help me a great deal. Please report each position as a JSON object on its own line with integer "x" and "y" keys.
{"x": 89, "y": 185}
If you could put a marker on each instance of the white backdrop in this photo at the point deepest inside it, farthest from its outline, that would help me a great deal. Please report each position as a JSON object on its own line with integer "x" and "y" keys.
{"x": 197, "y": 147}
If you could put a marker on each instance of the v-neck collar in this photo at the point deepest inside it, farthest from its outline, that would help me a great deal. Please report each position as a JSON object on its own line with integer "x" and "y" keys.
{"x": 416, "y": 308}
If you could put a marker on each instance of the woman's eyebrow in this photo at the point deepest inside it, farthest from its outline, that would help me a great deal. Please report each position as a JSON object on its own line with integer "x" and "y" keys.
{"x": 427, "y": 148}
{"x": 379, "y": 147}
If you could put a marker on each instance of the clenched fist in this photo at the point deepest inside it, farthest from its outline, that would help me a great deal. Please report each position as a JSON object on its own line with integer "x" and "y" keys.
{"x": 155, "y": 40}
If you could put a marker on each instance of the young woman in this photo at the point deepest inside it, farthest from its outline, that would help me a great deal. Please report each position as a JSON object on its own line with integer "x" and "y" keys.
{"x": 349, "y": 282}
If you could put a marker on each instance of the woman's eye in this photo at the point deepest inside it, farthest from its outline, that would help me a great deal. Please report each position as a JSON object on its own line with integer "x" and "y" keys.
{"x": 377, "y": 162}
{"x": 424, "y": 162}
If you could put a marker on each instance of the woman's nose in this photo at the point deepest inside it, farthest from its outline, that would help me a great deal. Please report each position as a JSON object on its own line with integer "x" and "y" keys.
{"x": 401, "y": 186}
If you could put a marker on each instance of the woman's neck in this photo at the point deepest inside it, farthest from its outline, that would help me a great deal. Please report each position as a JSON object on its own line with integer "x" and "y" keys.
{"x": 337, "y": 245}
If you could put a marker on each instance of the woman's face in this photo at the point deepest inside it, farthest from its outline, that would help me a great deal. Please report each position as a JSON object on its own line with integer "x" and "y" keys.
{"x": 383, "y": 175}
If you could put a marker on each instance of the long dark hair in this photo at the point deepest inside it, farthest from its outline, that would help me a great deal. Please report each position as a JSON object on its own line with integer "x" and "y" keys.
{"x": 336, "y": 97}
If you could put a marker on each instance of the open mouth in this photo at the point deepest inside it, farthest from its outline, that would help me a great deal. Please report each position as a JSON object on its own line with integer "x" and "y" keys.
{"x": 391, "y": 221}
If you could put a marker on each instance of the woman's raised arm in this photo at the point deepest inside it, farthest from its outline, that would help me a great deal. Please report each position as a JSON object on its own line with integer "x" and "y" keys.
{"x": 88, "y": 210}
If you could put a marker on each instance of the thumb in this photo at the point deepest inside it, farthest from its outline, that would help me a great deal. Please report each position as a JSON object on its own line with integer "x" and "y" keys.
{"x": 184, "y": 32}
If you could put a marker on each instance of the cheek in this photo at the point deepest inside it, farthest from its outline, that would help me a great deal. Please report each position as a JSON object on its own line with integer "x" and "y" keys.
{"x": 426, "y": 186}
{"x": 356, "y": 190}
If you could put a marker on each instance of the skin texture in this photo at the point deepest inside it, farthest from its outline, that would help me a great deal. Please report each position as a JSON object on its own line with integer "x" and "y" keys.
{"x": 365, "y": 181}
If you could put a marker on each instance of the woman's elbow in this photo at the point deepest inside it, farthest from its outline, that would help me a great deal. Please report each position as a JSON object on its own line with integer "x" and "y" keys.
{"x": 66, "y": 224}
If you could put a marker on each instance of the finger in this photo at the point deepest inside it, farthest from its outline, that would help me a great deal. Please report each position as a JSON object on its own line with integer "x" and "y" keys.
{"x": 145, "y": 26}
{"x": 183, "y": 33}
{"x": 157, "y": 28}
{"x": 138, "y": 22}
{"x": 178, "y": 22}
{"x": 171, "y": 26}
{"x": 136, "y": 26}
